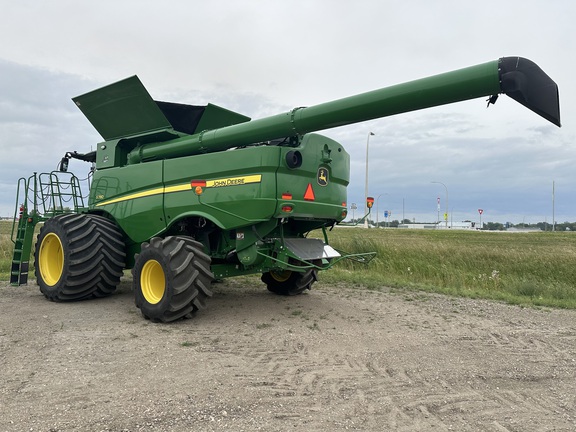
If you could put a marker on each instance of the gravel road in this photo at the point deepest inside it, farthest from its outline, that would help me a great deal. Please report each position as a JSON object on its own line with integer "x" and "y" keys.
{"x": 333, "y": 359}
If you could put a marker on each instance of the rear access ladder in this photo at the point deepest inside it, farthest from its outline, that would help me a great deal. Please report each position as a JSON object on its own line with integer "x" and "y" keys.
{"x": 38, "y": 198}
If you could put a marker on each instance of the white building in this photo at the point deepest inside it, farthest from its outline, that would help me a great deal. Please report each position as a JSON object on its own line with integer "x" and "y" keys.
{"x": 465, "y": 225}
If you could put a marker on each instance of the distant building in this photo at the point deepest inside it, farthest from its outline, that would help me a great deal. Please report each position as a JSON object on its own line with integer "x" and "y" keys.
{"x": 465, "y": 225}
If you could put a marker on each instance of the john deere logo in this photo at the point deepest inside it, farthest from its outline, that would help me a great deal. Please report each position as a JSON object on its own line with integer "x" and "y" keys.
{"x": 322, "y": 176}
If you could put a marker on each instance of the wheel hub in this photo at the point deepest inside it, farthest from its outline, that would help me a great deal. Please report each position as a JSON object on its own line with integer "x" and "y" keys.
{"x": 281, "y": 275}
{"x": 153, "y": 282}
{"x": 51, "y": 259}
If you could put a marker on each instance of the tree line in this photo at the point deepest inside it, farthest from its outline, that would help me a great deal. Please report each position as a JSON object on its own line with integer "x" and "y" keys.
{"x": 486, "y": 226}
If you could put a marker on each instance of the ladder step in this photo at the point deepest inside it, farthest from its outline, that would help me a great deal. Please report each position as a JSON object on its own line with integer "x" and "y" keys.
{"x": 17, "y": 281}
{"x": 19, "y": 273}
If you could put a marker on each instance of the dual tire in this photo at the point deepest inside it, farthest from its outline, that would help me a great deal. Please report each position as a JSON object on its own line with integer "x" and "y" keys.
{"x": 171, "y": 278}
{"x": 81, "y": 256}
{"x": 78, "y": 256}
{"x": 289, "y": 283}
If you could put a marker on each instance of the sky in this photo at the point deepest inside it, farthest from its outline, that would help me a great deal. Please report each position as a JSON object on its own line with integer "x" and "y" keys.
{"x": 266, "y": 57}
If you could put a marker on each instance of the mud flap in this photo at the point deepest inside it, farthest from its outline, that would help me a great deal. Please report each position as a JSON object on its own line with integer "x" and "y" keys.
{"x": 310, "y": 249}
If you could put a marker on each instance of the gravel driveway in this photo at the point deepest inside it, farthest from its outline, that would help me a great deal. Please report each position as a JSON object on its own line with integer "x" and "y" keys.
{"x": 333, "y": 359}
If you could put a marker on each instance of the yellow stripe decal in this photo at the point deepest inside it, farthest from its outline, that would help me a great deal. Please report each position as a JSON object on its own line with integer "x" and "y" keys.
{"x": 150, "y": 192}
{"x": 178, "y": 188}
{"x": 233, "y": 181}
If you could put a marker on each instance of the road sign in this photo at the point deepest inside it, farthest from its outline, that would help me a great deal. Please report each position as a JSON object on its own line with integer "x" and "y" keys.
{"x": 480, "y": 211}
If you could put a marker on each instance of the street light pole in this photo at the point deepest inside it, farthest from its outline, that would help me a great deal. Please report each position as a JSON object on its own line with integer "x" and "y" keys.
{"x": 446, "y": 216}
{"x": 553, "y": 215}
{"x": 366, "y": 183}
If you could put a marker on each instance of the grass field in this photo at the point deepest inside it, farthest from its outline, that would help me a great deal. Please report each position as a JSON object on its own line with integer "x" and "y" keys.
{"x": 5, "y": 249}
{"x": 520, "y": 268}
{"x": 536, "y": 268}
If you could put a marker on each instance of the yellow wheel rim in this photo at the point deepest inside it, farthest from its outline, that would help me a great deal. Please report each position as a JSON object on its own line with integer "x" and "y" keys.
{"x": 281, "y": 276}
{"x": 51, "y": 259}
{"x": 153, "y": 282}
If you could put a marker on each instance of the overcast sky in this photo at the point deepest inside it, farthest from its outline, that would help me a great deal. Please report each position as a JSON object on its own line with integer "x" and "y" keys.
{"x": 266, "y": 57}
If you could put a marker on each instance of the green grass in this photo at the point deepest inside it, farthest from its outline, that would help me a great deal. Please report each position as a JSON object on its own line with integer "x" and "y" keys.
{"x": 537, "y": 269}
{"x": 6, "y": 249}
{"x": 519, "y": 268}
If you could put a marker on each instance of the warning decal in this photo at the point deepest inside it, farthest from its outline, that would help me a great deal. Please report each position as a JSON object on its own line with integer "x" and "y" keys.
{"x": 309, "y": 194}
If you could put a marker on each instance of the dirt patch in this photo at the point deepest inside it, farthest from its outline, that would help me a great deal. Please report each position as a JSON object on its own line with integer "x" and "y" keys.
{"x": 330, "y": 360}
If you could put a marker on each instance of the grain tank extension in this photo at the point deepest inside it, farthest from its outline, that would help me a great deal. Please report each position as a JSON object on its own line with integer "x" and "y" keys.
{"x": 183, "y": 194}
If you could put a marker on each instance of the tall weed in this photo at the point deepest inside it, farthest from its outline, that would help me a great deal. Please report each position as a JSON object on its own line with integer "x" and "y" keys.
{"x": 6, "y": 248}
{"x": 535, "y": 268}
{"x": 520, "y": 268}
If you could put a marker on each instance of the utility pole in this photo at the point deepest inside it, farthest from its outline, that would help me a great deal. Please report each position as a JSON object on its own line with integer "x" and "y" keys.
{"x": 446, "y": 213}
{"x": 553, "y": 217}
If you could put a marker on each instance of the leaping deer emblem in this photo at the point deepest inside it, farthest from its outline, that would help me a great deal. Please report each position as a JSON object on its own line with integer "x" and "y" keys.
{"x": 322, "y": 176}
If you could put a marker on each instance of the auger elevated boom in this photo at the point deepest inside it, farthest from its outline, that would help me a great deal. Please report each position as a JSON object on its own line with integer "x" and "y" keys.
{"x": 517, "y": 77}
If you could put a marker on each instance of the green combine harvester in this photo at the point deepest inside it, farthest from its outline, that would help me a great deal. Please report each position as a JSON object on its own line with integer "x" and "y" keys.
{"x": 184, "y": 195}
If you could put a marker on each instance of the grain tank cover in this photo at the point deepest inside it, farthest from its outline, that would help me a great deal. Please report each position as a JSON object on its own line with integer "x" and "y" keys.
{"x": 125, "y": 109}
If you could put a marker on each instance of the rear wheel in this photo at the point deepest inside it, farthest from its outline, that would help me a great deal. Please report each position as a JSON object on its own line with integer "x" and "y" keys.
{"x": 289, "y": 283}
{"x": 171, "y": 278}
{"x": 78, "y": 256}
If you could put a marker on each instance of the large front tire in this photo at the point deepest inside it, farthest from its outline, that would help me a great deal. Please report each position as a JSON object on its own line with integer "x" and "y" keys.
{"x": 171, "y": 278}
{"x": 78, "y": 256}
{"x": 289, "y": 283}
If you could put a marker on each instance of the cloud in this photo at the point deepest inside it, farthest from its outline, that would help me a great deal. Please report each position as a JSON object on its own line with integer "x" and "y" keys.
{"x": 261, "y": 58}
{"x": 38, "y": 124}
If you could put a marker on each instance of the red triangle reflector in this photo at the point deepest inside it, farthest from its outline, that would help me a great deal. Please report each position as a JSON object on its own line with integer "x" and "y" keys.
{"x": 309, "y": 195}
